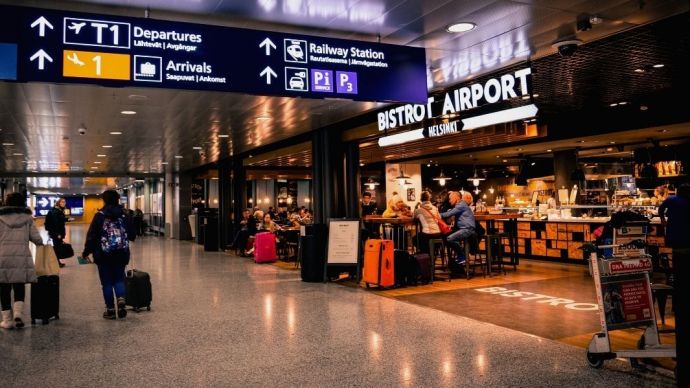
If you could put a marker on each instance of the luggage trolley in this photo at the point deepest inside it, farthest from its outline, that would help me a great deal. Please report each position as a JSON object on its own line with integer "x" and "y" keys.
{"x": 624, "y": 297}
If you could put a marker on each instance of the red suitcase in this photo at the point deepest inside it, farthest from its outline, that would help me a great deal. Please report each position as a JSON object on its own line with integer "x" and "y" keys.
{"x": 265, "y": 248}
{"x": 378, "y": 263}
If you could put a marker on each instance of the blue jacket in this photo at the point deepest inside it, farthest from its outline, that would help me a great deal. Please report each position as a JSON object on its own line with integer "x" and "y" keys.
{"x": 464, "y": 217}
{"x": 677, "y": 212}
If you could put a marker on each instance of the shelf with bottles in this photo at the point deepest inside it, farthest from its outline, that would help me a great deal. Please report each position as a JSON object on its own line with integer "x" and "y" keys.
{"x": 664, "y": 169}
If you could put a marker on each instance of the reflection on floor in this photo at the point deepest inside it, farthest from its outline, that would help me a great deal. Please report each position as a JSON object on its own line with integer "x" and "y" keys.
{"x": 221, "y": 320}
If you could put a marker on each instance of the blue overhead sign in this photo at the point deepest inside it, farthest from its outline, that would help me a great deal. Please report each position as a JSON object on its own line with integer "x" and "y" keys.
{"x": 66, "y": 47}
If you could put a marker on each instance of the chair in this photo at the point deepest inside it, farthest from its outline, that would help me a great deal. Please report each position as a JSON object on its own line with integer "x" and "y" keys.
{"x": 495, "y": 252}
{"x": 473, "y": 261}
{"x": 439, "y": 245}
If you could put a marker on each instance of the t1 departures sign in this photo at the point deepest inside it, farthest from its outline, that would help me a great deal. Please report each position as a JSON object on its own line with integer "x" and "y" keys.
{"x": 57, "y": 46}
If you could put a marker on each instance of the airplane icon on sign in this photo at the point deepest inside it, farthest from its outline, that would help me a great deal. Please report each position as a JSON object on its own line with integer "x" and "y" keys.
{"x": 75, "y": 59}
{"x": 76, "y": 27}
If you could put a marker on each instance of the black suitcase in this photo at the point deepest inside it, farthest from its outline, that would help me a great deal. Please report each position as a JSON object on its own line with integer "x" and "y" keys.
{"x": 138, "y": 292}
{"x": 45, "y": 299}
{"x": 401, "y": 266}
{"x": 423, "y": 261}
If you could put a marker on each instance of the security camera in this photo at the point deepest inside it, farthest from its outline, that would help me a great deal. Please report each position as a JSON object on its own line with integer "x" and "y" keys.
{"x": 82, "y": 131}
{"x": 567, "y": 47}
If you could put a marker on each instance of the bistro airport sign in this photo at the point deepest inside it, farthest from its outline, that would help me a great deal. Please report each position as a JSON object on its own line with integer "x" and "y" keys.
{"x": 495, "y": 90}
{"x": 41, "y": 45}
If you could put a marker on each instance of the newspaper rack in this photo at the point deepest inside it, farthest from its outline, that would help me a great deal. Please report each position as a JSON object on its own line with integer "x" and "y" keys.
{"x": 624, "y": 297}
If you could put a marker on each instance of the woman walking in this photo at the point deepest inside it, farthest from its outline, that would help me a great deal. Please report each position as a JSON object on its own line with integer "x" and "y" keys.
{"x": 108, "y": 239}
{"x": 16, "y": 264}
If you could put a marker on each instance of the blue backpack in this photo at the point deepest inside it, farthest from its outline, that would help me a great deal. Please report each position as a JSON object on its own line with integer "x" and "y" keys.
{"x": 114, "y": 235}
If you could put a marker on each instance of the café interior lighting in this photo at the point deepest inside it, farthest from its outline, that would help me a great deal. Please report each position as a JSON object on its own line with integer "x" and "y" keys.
{"x": 461, "y": 27}
{"x": 491, "y": 190}
{"x": 371, "y": 184}
{"x": 402, "y": 178}
{"x": 475, "y": 179}
{"x": 441, "y": 178}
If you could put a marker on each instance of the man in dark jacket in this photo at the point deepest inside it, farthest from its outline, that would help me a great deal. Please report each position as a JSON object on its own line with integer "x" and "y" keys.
{"x": 675, "y": 216}
{"x": 109, "y": 244}
{"x": 55, "y": 226}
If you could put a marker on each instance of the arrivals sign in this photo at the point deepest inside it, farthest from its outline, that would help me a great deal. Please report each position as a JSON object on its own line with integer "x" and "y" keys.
{"x": 58, "y": 46}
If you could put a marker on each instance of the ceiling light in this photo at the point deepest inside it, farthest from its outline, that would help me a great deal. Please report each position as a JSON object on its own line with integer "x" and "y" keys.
{"x": 94, "y": 168}
{"x": 128, "y": 112}
{"x": 164, "y": 163}
{"x": 97, "y": 162}
{"x": 609, "y": 149}
{"x": 613, "y": 142}
{"x": 178, "y": 156}
{"x": 639, "y": 70}
{"x": 475, "y": 179}
{"x": 535, "y": 95}
{"x": 613, "y": 104}
{"x": 107, "y": 146}
{"x": 505, "y": 160}
{"x": 533, "y": 163}
{"x": 263, "y": 118}
{"x": 461, "y": 27}
{"x": 223, "y": 136}
{"x": 525, "y": 97}
{"x": 116, "y": 133}
{"x": 643, "y": 107}
{"x": 441, "y": 179}
{"x": 658, "y": 65}
{"x": 402, "y": 178}
{"x": 8, "y": 144}
{"x": 581, "y": 141}
{"x": 548, "y": 150}
{"x": 196, "y": 148}
{"x": 18, "y": 154}
{"x": 623, "y": 103}
{"x": 101, "y": 155}
{"x": 371, "y": 183}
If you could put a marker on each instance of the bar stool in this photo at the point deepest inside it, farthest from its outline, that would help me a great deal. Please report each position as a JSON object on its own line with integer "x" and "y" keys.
{"x": 472, "y": 261}
{"x": 435, "y": 243}
{"x": 660, "y": 293}
{"x": 494, "y": 252}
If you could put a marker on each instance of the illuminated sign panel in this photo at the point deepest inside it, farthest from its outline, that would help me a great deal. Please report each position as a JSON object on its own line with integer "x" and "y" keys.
{"x": 57, "y": 46}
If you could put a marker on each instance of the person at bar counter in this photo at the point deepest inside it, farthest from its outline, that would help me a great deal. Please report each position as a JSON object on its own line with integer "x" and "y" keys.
{"x": 427, "y": 214}
{"x": 368, "y": 206}
{"x": 464, "y": 222}
{"x": 675, "y": 217}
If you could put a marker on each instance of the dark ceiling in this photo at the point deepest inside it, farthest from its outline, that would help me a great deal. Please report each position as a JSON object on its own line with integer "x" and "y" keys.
{"x": 41, "y": 120}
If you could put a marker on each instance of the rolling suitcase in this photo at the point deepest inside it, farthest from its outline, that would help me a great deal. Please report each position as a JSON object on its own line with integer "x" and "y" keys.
{"x": 138, "y": 290}
{"x": 423, "y": 267}
{"x": 379, "y": 267}
{"x": 45, "y": 299}
{"x": 402, "y": 268}
{"x": 265, "y": 248}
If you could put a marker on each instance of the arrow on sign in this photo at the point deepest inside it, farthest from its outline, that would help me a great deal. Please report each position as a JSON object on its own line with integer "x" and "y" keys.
{"x": 268, "y": 44}
{"x": 268, "y": 72}
{"x": 42, "y": 23}
{"x": 42, "y": 57}
{"x": 43, "y": 202}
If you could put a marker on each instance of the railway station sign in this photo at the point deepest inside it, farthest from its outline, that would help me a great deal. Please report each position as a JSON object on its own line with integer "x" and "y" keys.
{"x": 40, "y": 45}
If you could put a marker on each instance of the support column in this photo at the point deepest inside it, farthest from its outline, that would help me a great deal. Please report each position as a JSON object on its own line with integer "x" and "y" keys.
{"x": 239, "y": 190}
{"x": 564, "y": 164}
{"x": 352, "y": 180}
{"x": 225, "y": 208}
{"x": 327, "y": 169}
{"x": 179, "y": 206}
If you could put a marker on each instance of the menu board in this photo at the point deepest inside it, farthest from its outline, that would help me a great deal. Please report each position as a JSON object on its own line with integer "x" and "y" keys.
{"x": 343, "y": 241}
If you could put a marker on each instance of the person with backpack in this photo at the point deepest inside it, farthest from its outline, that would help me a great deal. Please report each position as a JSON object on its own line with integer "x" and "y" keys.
{"x": 108, "y": 240}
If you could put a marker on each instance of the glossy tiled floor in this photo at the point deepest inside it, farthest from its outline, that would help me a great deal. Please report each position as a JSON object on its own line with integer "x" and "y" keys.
{"x": 223, "y": 321}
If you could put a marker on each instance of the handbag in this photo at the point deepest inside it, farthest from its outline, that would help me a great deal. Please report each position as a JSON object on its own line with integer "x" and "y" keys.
{"x": 63, "y": 250}
{"x": 442, "y": 226}
{"x": 46, "y": 262}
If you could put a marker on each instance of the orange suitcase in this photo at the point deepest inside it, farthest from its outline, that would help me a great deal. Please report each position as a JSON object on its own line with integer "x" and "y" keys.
{"x": 378, "y": 263}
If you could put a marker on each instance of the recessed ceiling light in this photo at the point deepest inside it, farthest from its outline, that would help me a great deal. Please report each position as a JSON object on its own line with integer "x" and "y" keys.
{"x": 658, "y": 65}
{"x": 613, "y": 104}
{"x": 94, "y": 168}
{"x": 196, "y": 148}
{"x": 34, "y": 171}
{"x": 526, "y": 97}
{"x": 613, "y": 142}
{"x": 8, "y": 144}
{"x": 639, "y": 70}
{"x": 223, "y": 136}
{"x": 97, "y": 162}
{"x": 581, "y": 141}
{"x": 535, "y": 95}
{"x": 128, "y": 112}
{"x": 643, "y": 107}
{"x": 548, "y": 150}
{"x": 101, "y": 155}
{"x": 107, "y": 146}
{"x": 461, "y": 27}
{"x": 263, "y": 118}
{"x": 505, "y": 160}
{"x": 116, "y": 133}
{"x": 164, "y": 163}
{"x": 18, "y": 154}
{"x": 178, "y": 156}
{"x": 623, "y": 103}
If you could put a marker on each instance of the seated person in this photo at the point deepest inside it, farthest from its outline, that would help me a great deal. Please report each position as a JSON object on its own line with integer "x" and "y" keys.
{"x": 305, "y": 217}
{"x": 397, "y": 208}
{"x": 427, "y": 214}
{"x": 269, "y": 225}
{"x": 464, "y": 222}
{"x": 247, "y": 229}
{"x": 368, "y": 206}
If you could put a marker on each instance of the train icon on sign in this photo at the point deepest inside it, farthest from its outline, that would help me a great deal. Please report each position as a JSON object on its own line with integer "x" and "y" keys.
{"x": 295, "y": 50}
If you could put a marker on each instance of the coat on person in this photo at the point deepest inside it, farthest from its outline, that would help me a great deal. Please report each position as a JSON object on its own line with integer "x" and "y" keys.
{"x": 16, "y": 230}
{"x": 93, "y": 236}
{"x": 55, "y": 223}
{"x": 428, "y": 214}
